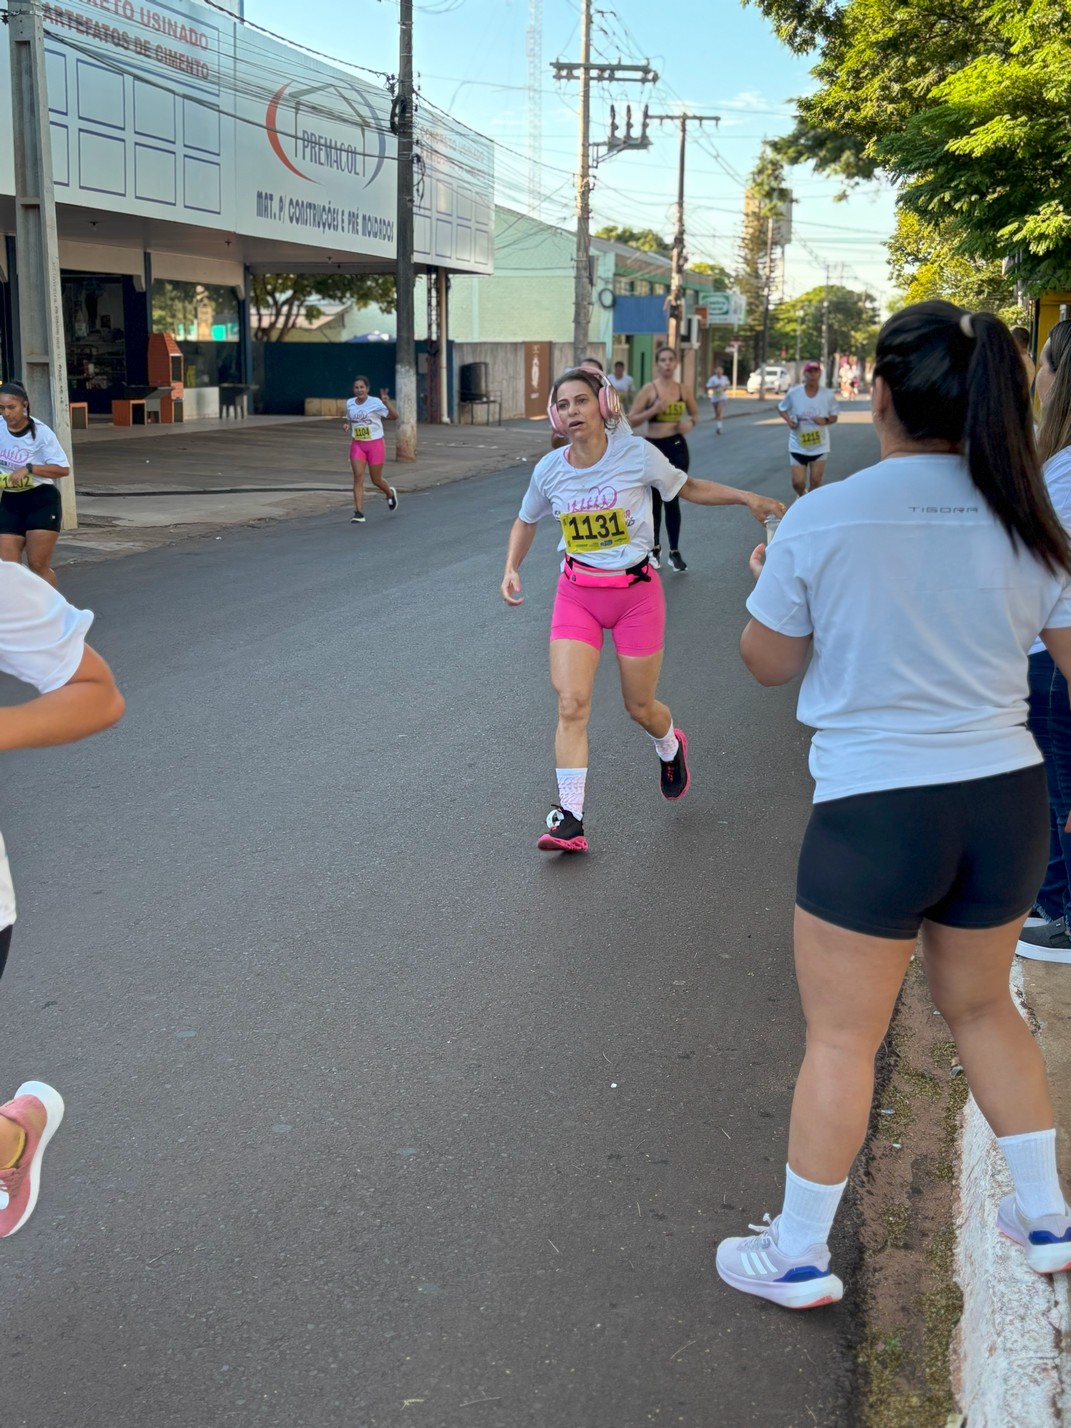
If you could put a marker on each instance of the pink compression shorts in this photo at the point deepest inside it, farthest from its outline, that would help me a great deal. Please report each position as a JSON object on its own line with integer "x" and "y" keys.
{"x": 374, "y": 452}
{"x": 635, "y": 615}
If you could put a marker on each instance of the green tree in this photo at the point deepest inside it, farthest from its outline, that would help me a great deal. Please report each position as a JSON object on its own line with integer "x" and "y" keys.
{"x": 853, "y": 322}
{"x": 763, "y": 200}
{"x": 281, "y": 298}
{"x": 965, "y": 106}
{"x": 925, "y": 264}
{"x": 721, "y": 280}
{"x": 645, "y": 239}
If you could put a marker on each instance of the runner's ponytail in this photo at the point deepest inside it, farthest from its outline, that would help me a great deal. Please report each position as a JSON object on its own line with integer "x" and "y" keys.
{"x": 958, "y": 377}
{"x": 1055, "y": 431}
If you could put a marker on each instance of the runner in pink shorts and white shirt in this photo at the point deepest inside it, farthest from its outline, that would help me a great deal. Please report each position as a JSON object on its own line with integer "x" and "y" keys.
{"x": 364, "y": 422}
{"x": 599, "y": 489}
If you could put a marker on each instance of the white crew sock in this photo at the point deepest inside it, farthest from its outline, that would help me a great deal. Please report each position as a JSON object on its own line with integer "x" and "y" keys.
{"x": 808, "y": 1213}
{"x": 719, "y": 426}
{"x": 571, "y": 790}
{"x": 1032, "y": 1161}
{"x": 668, "y": 744}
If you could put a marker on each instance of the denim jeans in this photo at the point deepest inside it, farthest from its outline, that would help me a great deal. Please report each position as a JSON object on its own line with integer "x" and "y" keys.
{"x": 1050, "y": 723}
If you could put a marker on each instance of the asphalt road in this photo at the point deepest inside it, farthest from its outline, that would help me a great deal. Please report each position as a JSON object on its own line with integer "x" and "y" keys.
{"x": 378, "y": 1118}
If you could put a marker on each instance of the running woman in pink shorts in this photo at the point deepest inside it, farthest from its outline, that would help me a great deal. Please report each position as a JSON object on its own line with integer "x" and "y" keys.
{"x": 365, "y": 416}
{"x": 599, "y": 490}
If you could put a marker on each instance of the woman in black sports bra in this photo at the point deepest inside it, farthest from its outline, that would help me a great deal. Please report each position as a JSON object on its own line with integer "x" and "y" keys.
{"x": 670, "y": 413}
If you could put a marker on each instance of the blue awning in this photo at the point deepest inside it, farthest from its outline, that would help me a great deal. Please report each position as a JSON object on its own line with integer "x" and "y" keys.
{"x": 634, "y": 316}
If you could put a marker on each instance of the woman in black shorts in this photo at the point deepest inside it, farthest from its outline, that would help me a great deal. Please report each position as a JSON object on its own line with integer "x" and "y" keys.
{"x": 911, "y": 594}
{"x": 31, "y": 462}
{"x": 670, "y": 413}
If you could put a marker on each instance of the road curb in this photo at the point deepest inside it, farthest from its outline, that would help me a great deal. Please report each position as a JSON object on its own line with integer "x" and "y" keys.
{"x": 1008, "y": 1361}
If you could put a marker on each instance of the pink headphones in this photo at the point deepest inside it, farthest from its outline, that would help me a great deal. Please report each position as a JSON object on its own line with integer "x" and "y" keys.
{"x": 609, "y": 403}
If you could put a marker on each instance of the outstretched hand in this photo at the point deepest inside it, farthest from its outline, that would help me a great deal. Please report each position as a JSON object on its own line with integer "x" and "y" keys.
{"x": 757, "y": 560}
{"x": 763, "y": 506}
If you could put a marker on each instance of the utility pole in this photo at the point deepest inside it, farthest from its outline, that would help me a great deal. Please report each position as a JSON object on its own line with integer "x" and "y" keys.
{"x": 405, "y": 349}
{"x": 825, "y": 332}
{"x": 585, "y": 71}
{"x": 676, "y": 282}
{"x": 44, "y": 356}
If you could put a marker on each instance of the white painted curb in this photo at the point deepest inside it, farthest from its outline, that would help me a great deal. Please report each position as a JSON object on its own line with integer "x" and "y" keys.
{"x": 1011, "y": 1354}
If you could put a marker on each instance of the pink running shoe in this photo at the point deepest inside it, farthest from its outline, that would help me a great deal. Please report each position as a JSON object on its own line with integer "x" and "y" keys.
{"x": 38, "y": 1109}
{"x": 565, "y": 833}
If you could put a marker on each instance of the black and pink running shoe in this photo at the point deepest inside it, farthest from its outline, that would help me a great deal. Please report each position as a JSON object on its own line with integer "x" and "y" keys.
{"x": 674, "y": 776}
{"x": 565, "y": 833}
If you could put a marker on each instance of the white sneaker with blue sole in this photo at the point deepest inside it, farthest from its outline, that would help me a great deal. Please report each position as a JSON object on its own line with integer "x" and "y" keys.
{"x": 1046, "y": 1242}
{"x": 755, "y": 1265}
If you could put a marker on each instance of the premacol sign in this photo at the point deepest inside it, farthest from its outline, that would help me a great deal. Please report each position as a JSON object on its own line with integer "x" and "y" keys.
{"x": 177, "y": 111}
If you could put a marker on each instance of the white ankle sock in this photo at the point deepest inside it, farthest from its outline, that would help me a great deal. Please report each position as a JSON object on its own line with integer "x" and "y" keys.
{"x": 668, "y": 744}
{"x": 808, "y": 1213}
{"x": 1032, "y": 1161}
{"x": 571, "y": 790}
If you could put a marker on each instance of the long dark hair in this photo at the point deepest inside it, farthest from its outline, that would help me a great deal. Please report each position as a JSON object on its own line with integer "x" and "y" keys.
{"x": 958, "y": 377}
{"x": 16, "y": 389}
{"x": 1055, "y": 432}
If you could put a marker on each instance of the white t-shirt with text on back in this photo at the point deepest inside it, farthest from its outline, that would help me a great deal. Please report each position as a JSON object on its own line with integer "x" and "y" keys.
{"x": 42, "y": 640}
{"x": 621, "y": 482}
{"x": 807, "y": 438}
{"x": 922, "y": 613}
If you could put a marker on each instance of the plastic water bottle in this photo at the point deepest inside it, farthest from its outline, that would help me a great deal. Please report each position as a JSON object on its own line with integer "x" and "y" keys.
{"x": 771, "y": 523}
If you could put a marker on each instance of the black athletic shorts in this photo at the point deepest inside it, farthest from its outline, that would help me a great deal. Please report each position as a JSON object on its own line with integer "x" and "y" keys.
{"x": 675, "y": 449}
{"x": 37, "y": 509}
{"x": 969, "y": 855}
{"x": 804, "y": 458}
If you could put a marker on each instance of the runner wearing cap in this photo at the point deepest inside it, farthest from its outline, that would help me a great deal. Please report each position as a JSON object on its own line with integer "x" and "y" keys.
{"x": 808, "y": 410}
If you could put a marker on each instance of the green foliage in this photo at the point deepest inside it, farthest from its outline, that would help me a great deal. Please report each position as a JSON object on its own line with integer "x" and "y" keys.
{"x": 965, "y": 105}
{"x": 721, "y": 279}
{"x": 853, "y": 323}
{"x": 925, "y": 264}
{"x": 761, "y": 201}
{"x": 646, "y": 239}
{"x": 285, "y": 297}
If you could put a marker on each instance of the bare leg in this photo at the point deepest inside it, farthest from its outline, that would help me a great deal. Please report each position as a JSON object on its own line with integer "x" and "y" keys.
{"x": 968, "y": 976}
{"x": 817, "y": 471}
{"x": 799, "y": 479}
{"x": 358, "y": 482}
{"x": 10, "y": 1140}
{"x": 11, "y": 548}
{"x": 848, "y": 986}
{"x": 572, "y": 673}
{"x": 639, "y": 681}
{"x": 376, "y": 473}
{"x": 39, "y": 548}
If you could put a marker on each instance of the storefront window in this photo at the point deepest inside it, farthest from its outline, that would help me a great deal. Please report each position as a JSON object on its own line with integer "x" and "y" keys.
{"x": 203, "y": 318}
{"x": 94, "y": 328}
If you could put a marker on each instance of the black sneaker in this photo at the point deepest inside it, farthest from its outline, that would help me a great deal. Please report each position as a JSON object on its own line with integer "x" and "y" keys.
{"x": 357, "y": 519}
{"x": 392, "y": 500}
{"x": 674, "y": 776}
{"x": 676, "y": 561}
{"x": 1046, "y": 944}
{"x": 565, "y": 833}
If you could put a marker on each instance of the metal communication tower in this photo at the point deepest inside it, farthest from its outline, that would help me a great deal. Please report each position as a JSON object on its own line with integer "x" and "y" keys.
{"x": 535, "y": 102}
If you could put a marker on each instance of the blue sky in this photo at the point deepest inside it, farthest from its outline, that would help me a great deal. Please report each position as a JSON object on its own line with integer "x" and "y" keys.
{"x": 471, "y": 60}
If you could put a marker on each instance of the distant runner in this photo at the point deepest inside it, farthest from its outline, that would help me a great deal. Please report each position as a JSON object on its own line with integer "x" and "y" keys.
{"x": 809, "y": 410}
{"x": 670, "y": 413}
{"x": 365, "y": 416}
{"x": 717, "y": 386}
